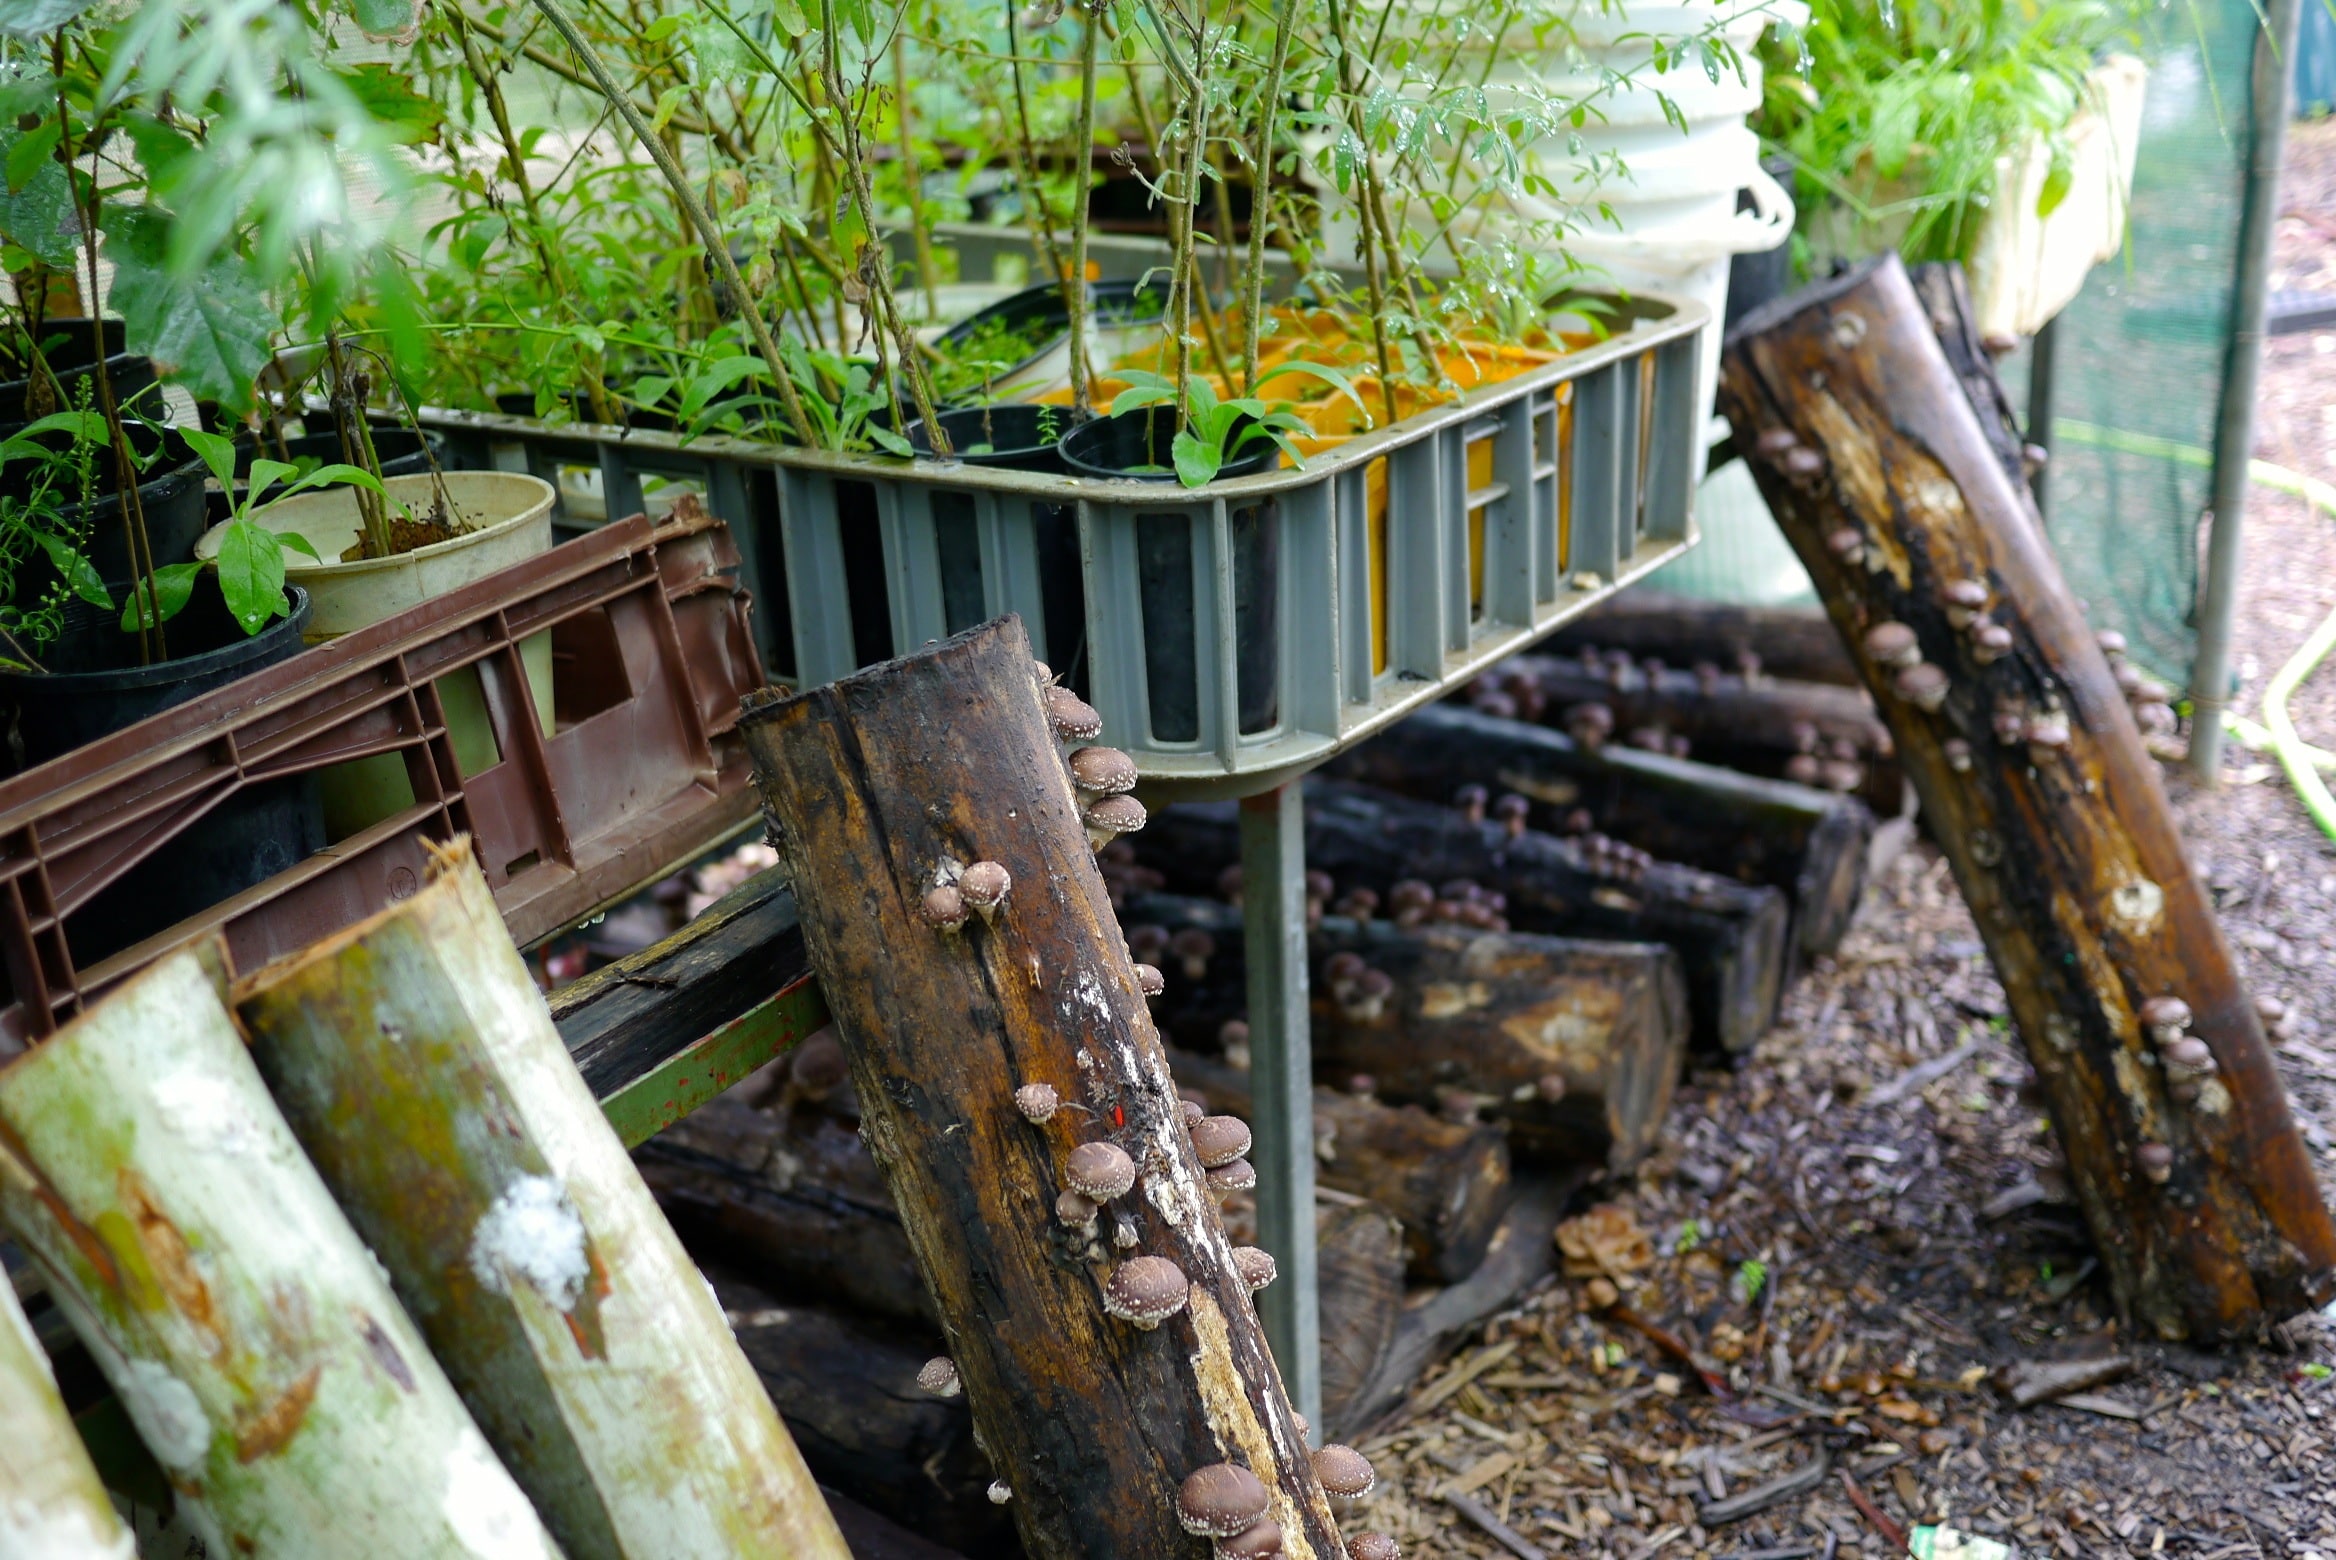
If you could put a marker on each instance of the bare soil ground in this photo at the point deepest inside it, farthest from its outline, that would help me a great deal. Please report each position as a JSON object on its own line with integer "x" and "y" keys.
{"x": 1860, "y": 1260}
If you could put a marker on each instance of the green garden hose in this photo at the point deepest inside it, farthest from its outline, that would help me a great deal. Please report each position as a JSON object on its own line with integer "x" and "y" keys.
{"x": 2301, "y": 760}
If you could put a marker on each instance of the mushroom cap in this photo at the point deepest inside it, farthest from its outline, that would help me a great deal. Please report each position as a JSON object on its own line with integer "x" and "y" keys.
{"x": 1073, "y": 718}
{"x": 1221, "y": 1500}
{"x": 1510, "y": 805}
{"x": 1192, "y": 943}
{"x": 1921, "y": 682}
{"x": 1992, "y": 636}
{"x": 2166, "y": 1013}
{"x": 939, "y": 1376}
{"x": 2110, "y": 641}
{"x": 2190, "y": 1052}
{"x": 1373, "y": 1546}
{"x": 1261, "y": 1538}
{"x": 1470, "y": 797}
{"x": 1233, "y": 1032}
{"x": 2047, "y": 731}
{"x": 1255, "y": 1265}
{"x": 1595, "y": 716}
{"x": 1964, "y": 593}
{"x": 1103, "y": 770}
{"x": 1074, "y": 1208}
{"x": 1037, "y": 1101}
{"x": 1957, "y": 750}
{"x": 1237, "y": 1175}
{"x": 1551, "y": 1087}
{"x": 985, "y": 885}
{"x": 1804, "y": 769}
{"x": 1410, "y": 894}
{"x": 1343, "y": 966}
{"x": 1219, "y": 1140}
{"x": 1121, "y": 814}
{"x": 1191, "y": 1110}
{"x": 1841, "y": 543}
{"x": 1040, "y": 670}
{"x": 1000, "y": 1492}
{"x": 1892, "y": 643}
{"x": 1099, "y": 1170}
{"x": 1775, "y": 441}
{"x": 1145, "y": 1291}
{"x": 2155, "y": 1159}
{"x": 818, "y": 1064}
{"x": 1375, "y": 983}
{"x": 2270, "y": 1009}
{"x": 1358, "y": 902}
{"x": 1344, "y": 1471}
{"x": 1149, "y": 980}
{"x": 1144, "y": 940}
{"x": 943, "y": 906}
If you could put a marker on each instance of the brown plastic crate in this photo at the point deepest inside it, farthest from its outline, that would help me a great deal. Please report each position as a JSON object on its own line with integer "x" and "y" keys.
{"x": 642, "y": 770}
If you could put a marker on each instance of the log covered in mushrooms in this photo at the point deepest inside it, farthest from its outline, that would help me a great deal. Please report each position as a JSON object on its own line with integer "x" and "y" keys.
{"x": 1092, "y": 1424}
{"x": 2206, "y": 1212}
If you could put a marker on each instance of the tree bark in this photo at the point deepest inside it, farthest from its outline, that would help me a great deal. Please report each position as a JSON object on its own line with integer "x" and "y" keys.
{"x": 1796, "y": 642}
{"x": 848, "y": 1390}
{"x": 1731, "y": 937}
{"x": 419, "y": 1069}
{"x": 1446, "y": 1183}
{"x": 1946, "y": 299}
{"x": 881, "y": 784}
{"x": 792, "y": 1201}
{"x": 2201, "y": 1198}
{"x": 51, "y": 1501}
{"x": 1810, "y": 843}
{"x": 247, "y": 1331}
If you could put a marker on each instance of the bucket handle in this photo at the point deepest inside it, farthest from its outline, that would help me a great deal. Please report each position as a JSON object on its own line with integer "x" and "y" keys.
{"x": 1766, "y": 225}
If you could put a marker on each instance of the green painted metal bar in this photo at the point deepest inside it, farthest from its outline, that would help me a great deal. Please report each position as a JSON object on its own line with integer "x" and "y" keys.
{"x": 714, "y": 1062}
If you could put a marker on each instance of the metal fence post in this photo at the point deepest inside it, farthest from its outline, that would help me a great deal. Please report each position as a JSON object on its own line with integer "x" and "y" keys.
{"x": 1281, "y": 1076}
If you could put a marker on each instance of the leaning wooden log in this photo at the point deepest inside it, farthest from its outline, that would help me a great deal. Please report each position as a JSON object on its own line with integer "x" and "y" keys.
{"x": 1019, "y": 1104}
{"x": 51, "y": 1501}
{"x": 416, "y": 1063}
{"x": 1571, "y": 1047}
{"x": 1359, "y": 1262}
{"x": 1811, "y": 843}
{"x": 1445, "y": 1181}
{"x": 2032, "y": 773}
{"x": 847, "y": 1386}
{"x": 791, "y": 1200}
{"x": 1797, "y": 642}
{"x": 245, "y": 1328}
{"x": 1731, "y": 936}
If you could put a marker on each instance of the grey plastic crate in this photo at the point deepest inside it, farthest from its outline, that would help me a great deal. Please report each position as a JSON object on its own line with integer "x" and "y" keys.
{"x": 1230, "y": 636}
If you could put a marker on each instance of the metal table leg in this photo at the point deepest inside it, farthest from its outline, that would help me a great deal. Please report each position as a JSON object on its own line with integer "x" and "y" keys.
{"x": 1281, "y": 1076}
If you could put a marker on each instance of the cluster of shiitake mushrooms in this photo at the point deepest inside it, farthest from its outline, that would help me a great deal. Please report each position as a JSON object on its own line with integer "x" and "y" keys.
{"x": 1223, "y": 1502}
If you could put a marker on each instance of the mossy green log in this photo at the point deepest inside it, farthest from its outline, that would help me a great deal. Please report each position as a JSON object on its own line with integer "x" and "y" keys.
{"x": 253, "y": 1339}
{"x": 419, "y": 1066}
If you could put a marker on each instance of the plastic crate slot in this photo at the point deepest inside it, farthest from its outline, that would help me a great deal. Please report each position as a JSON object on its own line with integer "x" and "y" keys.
{"x": 588, "y": 668}
{"x": 1062, "y": 593}
{"x": 1166, "y": 597}
{"x": 868, "y": 588}
{"x": 957, "y": 541}
{"x": 1256, "y": 532}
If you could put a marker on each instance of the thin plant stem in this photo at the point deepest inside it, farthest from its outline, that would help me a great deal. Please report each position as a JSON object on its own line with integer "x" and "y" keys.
{"x": 1261, "y": 198}
{"x": 928, "y": 271}
{"x": 716, "y": 247}
{"x": 1083, "y": 153}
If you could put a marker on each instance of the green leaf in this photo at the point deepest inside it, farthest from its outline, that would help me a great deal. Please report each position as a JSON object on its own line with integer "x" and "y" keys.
{"x": 886, "y": 439}
{"x": 2057, "y": 178}
{"x": 29, "y": 151}
{"x": 33, "y": 18}
{"x": 251, "y": 574}
{"x": 295, "y": 542}
{"x": 389, "y": 98}
{"x": 354, "y": 476}
{"x": 790, "y": 18}
{"x": 173, "y": 585}
{"x": 1196, "y": 462}
{"x": 210, "y": 332}
{"x": 218, "y": 452}
{"x": 36, "y": 210}
{"x": 395, "y": 20}
{"x": 76, "y": 569}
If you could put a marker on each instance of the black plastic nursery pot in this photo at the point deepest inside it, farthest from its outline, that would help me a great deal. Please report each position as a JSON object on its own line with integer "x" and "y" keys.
{"x": 1009, "y": 434}
{"x": 170, "y": 495}
{"x": 95, "y": 685}
{"x": 1136, "y": 446}
{"x": 1038, "y": 320}
{"x": 73, "y": 361}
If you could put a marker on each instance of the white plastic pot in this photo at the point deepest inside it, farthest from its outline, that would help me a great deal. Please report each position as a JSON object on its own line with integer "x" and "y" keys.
{"x": 510, "y": 515}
